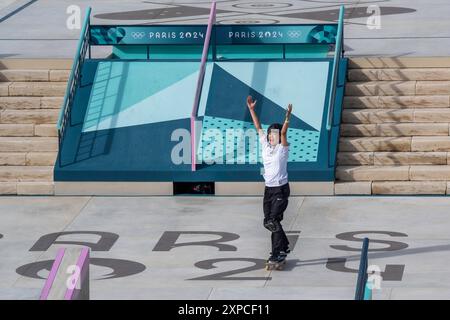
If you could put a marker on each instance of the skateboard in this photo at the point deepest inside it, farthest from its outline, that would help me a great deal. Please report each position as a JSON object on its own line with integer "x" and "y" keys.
{"x": 275, "y": 265}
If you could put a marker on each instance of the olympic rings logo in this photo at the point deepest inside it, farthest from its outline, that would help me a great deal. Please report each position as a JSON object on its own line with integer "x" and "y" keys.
{"x": 138, "y": 35}
{"x": 294, "y": 34}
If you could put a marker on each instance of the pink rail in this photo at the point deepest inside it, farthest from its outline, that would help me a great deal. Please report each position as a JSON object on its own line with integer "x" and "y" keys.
{"x": 201, "y": 75}
{"x": 49, "y": 282}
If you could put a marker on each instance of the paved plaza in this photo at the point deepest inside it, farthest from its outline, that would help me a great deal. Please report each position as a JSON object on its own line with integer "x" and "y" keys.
{"x": 37, "y": 28}
{"x": 150, "y": 247}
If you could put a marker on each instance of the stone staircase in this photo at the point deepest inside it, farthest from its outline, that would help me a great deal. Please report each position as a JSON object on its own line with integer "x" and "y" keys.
{"x": 31, "y": 94}
{"x": 395, "y": 127}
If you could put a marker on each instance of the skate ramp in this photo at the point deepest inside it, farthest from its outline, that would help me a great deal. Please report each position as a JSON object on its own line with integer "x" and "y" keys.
{"x": 135, "y": 113}
{"x": 130, "y": 119}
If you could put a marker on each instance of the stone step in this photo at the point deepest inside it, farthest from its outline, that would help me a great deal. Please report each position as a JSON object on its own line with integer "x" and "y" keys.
{"x": 8, "y": 188}
{"x": 366, "y": 116}
{"x": 20, "y": 102}
{"x": 24, "y": 75}
{"x": 397, "y": 88}
{"x": 395, "y": 102}
{"x": 40, "y": 158}
{"x": 27, "y": 158}
{"x": 392, "y": 158}
{"x": 31, "y": 102}
{"x": 40, "y": 116}
{"x": 372, "y": 173}
{"x": 399, "y": 74}
{"x": 26, "y": 188}
{"x": 35, "y": 188}
{"x": 353, "y": 188}
{"x": 432, "y": 115}
{"x": 379, "y": 116}
{"x": 51, "y": 102}
{"x": 4, "y": 88}
{"x": 354, "y": 158}
{"x": 13, "y": 158}
{"x": 409, "y": 187}
{"x": 36, "y": 75}
{"x": 410, "y": 158}
{"x": 381, "y": 88}
{"x": 398, "y": 62}
{"x": 16, "y": 130}
{"x": 365, "y": 144}
{"x": 37, "y": 89}
{"x": 431, "y": 143}
{"x": 429, "y": 172}
{"x": 394, "y": 129}
{"x": 28, "y": 144}
{"x": 28, "y": 130}
{"x": 45, "y": 130}
{"x": 433, "y": 87}
{"x": 358, "y": 130}
{"x": 59, "y": 75}
{"x": 39, "y": 64}
{"x": 394, "y": 173}
{"x": 26, "y": 173}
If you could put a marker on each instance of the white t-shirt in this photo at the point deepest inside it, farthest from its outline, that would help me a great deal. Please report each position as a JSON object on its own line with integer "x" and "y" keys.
{"x": 275, "y": 160}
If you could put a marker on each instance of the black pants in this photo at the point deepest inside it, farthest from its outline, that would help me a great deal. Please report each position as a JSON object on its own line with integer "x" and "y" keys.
{"x": 274, "y": 205}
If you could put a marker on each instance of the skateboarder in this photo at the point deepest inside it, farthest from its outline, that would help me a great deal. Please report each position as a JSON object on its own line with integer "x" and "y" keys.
{"x": 275, "y": 151}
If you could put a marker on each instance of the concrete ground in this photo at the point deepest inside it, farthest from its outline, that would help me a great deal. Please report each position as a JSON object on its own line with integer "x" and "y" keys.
{"x": 37, "y": 28}
{"x": 148, "y": 247}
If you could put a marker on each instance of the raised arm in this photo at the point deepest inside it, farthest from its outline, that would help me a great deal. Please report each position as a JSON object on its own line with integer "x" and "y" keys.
{"x": 285, "y": 127}
{"x": 251, "y": 106}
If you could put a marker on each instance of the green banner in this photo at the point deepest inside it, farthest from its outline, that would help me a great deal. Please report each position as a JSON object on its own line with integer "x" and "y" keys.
{"x": 273, "y": 34}
{"x": 222, "y": 34}
{"x": 110, "y": 35}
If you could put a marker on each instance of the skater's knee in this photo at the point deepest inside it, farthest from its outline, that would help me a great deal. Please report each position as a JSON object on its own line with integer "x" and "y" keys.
{"x": 273, "y": 225}
{"x": 277, "y": 215}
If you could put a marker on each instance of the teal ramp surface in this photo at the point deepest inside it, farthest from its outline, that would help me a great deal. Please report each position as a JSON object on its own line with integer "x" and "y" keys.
{"x": 131, "y": 120}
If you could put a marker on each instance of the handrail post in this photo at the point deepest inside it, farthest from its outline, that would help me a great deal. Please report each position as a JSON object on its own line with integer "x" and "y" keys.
{"x": 362, "y": 271}
{"x": 200, "y": 84}
{"x": 89, "y": 35}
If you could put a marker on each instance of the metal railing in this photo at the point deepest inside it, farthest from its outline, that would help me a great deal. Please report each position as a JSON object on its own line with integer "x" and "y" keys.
{"x": 335, "y": 71}
{"x": 338, "y": 54}
{"x": 65, "y": 114}
{"x": 362, "y": 272}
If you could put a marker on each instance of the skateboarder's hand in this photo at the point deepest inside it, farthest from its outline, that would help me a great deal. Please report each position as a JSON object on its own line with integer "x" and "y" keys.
{"x": 250, "y": 103}
{"x": 289, "y": 109}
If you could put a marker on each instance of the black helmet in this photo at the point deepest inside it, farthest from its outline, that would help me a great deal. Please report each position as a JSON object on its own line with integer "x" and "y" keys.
{"x": 276, "y": 126}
